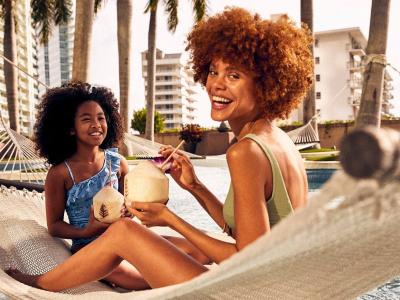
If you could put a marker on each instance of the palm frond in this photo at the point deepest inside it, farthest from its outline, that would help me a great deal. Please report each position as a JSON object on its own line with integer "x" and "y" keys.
{"x": 62, "y": 11}
{"x": 98, "y": 4}
{"x": 42, "y": 17}
{"x": 2, "y": 9}
{"x": 152, "y": 4}
{"x": 200, "y": 8}
{"x": 171, "y": 9}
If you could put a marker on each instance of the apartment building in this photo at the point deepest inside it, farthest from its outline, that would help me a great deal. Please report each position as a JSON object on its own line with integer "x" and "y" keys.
{"x": 339, "y": 75}
{"x": 27, "y": 60}
{"x": 175, "y": 91}
{"x": 55, "y": 57}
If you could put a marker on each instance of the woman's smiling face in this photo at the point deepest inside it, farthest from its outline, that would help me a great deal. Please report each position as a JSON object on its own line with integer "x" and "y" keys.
{"x": 231, "y": 90}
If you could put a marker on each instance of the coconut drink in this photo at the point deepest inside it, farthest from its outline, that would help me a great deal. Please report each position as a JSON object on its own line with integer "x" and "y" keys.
{"x": 107, "y": 205}
{"x": 146, "y": 183}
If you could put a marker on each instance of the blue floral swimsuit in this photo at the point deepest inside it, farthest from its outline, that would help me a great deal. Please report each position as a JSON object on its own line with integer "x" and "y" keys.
{"x": 80, "y": 195}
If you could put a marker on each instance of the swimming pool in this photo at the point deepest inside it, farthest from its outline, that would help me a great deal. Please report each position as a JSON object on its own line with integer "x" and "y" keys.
{"x": 317, "y": 177}
{"x": 217, "y": 180}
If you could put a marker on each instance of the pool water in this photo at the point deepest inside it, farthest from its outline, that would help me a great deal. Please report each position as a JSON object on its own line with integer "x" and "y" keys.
{"x": 317, "y": 177}
{"x": 217, "y": 180}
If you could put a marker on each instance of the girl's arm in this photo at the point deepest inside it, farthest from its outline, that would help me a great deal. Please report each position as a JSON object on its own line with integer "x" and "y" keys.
{"x": 123, "y": 170}
{"x": 250, "y": 172}
{"x": 55, "y": 206}
{"x": 182, "y": 172}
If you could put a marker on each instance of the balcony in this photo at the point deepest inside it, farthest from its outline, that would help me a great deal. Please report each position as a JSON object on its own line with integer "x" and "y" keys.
{"x": 354, "y": 66}
{"x": 355, "y": 83}
{"x": 357, "y": 52}
{"x": 354, "y": 100}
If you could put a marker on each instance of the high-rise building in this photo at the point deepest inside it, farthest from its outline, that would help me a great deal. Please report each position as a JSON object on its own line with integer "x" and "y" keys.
{"x": 339, "y": 75}
{"x": 55, "y": 57}
{"x": 175, "y": 90}
{"x": 26, "y": 60}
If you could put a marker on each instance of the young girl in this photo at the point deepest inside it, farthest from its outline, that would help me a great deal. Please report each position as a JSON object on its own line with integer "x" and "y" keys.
{"x": 77, "y": 126}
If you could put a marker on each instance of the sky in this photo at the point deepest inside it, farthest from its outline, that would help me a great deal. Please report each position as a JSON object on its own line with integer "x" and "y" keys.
{"x": 327, "y": 15}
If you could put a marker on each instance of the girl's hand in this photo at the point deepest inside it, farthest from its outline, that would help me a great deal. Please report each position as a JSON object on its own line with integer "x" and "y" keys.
{"x": 150, "y": 214}
{"x": 94, "y": 227}
{"x": 181, "y": 170}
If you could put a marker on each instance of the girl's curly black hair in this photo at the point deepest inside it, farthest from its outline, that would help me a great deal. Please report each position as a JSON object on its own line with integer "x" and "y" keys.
{"x": 56, "y": 116}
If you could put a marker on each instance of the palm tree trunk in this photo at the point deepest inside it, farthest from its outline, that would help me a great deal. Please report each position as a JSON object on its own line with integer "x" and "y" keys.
{"x": 10, "y": 73}
{"x": 309, "y": 110}
{"x": 124, "y": 17}
{"x": 151, "y": 70}
{"x": 371, "y": 97}
{"x": 83, "y": 39}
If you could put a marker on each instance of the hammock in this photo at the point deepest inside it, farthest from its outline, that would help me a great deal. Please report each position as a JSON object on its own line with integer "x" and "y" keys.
{"x": 340, "y": 246}
{"x": 304, "y": 136}
{"x": 18, "y": 158}
{"x": 20, "y": 162}
{"x": 141, "y": 148}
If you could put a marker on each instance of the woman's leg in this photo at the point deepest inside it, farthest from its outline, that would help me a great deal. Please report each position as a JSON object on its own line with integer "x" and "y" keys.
{"x": 157, "y": 260}
{"x": 127, "y": 277}
{"x": 189, "y": 249}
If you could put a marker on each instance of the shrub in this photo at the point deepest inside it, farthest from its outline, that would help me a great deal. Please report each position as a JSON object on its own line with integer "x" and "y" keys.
{"x": 223, "y": 127}
{"x": 191, "y": 133}
{"x": 139, "y": 121}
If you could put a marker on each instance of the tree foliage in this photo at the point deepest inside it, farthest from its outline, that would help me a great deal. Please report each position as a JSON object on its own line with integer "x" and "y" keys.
{"x": 139, "y": 121}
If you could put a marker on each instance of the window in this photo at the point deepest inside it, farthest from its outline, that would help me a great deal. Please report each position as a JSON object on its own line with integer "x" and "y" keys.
{"x": 316, "y": 43}
{"x": 317, "y": 60}
{"x": 318, "y": 95}
{"x": 318, "y": 77}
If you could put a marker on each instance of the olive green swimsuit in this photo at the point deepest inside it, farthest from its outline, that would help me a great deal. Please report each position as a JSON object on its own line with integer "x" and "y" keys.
{"x": 278, "y": 205}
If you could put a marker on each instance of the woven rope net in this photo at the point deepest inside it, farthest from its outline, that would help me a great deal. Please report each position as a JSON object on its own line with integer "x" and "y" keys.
{"x": 343, "y": 244}
{"x": 18, "y": 158}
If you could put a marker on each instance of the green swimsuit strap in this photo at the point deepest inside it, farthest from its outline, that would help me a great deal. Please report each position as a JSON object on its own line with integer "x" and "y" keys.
{"x": 279, "y": 196}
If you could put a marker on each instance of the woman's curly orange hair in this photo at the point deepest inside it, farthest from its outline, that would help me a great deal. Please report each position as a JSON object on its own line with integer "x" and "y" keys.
{"x": 277, "y": 52}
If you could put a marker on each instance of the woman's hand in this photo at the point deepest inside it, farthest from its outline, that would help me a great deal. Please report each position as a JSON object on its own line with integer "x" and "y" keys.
{"x": 125, "y": 212}
{"x": 94, "y": 227}
{"x": 181, "y": 170}
{"x": 150, "y": 214}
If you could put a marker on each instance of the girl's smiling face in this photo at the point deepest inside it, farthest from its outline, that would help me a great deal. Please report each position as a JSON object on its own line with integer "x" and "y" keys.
{"x": 231, "y": 92}
{"x": 90, "y": 125}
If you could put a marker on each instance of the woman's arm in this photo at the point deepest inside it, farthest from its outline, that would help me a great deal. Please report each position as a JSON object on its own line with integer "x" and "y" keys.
{"x": 157, "y": 214}
{"x": 183, "y": 173}
{"x": 250, "y": 172}
{"x": 55, "y": 207}
{"x": 251, "y": 177}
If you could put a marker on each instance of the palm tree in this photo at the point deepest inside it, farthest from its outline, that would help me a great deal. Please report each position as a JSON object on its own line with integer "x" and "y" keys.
{"x": 171, "y": 8}
{"x": 85, "y": 10}
{"x": 124, "y": 17}
{"x": 306, "y": 8}
{"x": 371, "y": 97}
{"x": 82, "y": 39}
{"x": 10, "y": 73}
{"x": 43, "y": 14}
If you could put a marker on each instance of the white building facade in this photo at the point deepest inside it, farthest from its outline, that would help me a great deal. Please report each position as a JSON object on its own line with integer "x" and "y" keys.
{"x": 55, "y": 57}
{"x": 175, "y": 91}
{"x": 338, "y": 75}
{"x": 27, "y": 60}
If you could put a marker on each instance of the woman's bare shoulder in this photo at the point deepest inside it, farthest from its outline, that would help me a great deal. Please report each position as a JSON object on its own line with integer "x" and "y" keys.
{"x": 246, "y": 153}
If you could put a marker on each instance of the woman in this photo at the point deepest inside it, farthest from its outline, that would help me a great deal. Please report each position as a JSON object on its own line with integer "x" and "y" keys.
{"x": 254, "y": 71}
